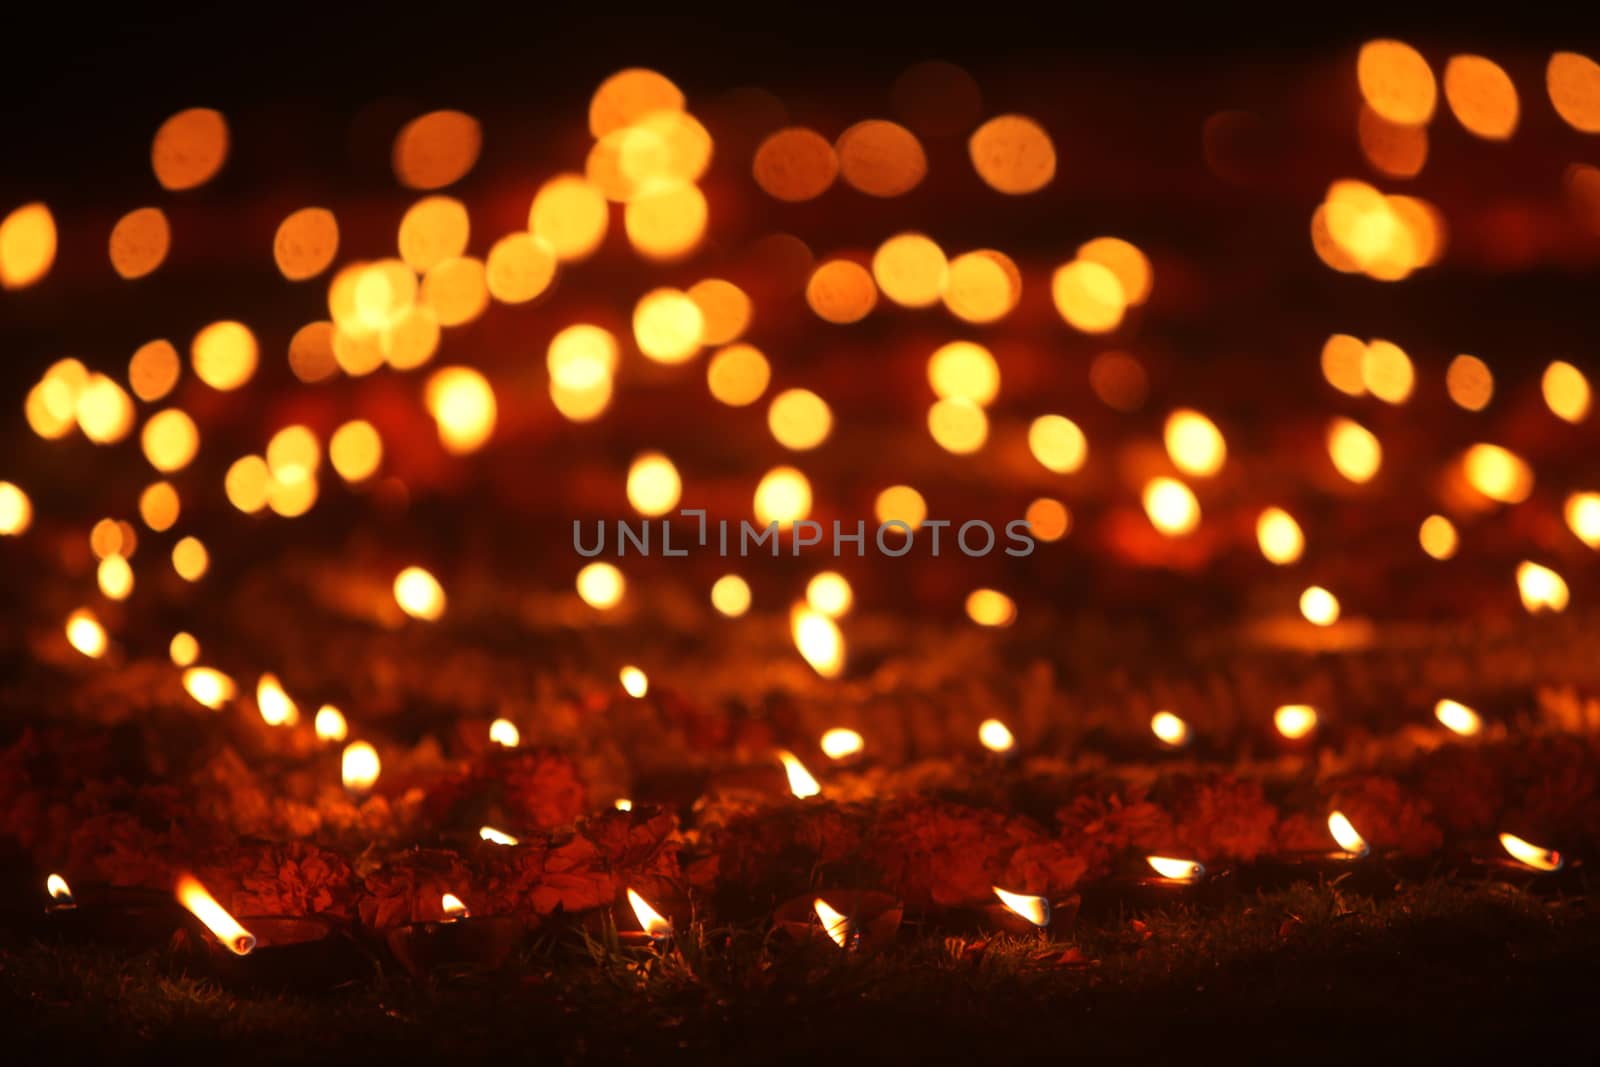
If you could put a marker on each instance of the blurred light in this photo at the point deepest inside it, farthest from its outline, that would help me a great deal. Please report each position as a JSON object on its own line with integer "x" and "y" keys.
{"x": 274, "y": 704}
{"x": 1437, "y": 535}
{"x": 799, "y": 419}
{"x": 85, "y": 633}
{"x": 841, "y": 743}
{"x": 622, "y": 804}
{"x": 963, "y": 370}
{"x": 1458, "y": 718}
{"x": 783, "y": 496}
{"x": 1342, "y": 359}
{"x": 107, "y": 539}
{"x": 306, "y": 242}
{"x": 1355, "y": 452}
{"x": 1469, "y": 382}
{"x": 105, "y": 411}
{"x": 1057, "y": 443}
{"x": 311, "y": 355}
{"x": 139, "y": 242}
{"x": 1481, "y": 97}
{"x": 1566, "y": 391}
{"x": 990, "y": 607}
{"x": 1123, "y": 259}
{"x": 1170, "y": 729}
{"x": 154, "y": 370}
{"x": 1573, "y": 82}
{"x": 1088, "y": 296}
{"x": 495, "y": 837}
{"x": 1119, "y": 381}
{"x": 504, "y": 732}
{"x": 224, "y": 355}
{"x": 829, "y": 593}
{"x": 1582, "y": 513}
{"x": 1396, "y": 82}
{"x": 958, "y": 426}
{"x": 355, "y": 450}
{"x": 795, "y": 164}
{"x": 995, "y": 736}
{"x": 246, "y": 484}
{"x": 293, "y": 455}
{"x": 665, "y": 223}
{"x": 1171, "y": 506}
{"x": 463, "y": 407}
{"x": 189, "y": 148}
{"x": 911, "y": 270}
{"x": 1527, "y": 853}
{"x": 725, "y": 310}
{"x": 634, "y": 682}
{"x": 1345, "y": 834}
{"x": 900, "y": 503}
{"x": 1013, "y": 154}
{"x": 569, "y": 214}
{"x": 1279, "y": 536}
{"x": 738, "y": 374}
{"x": 801, "y": 781}
{"x": 437, "y": 149}
{"x": 730, "y": 595}
{"x": 668, "y": 326}
{"x": 359, "y": 767}
{"x": 1319, "y": 606}
{"x": 936, "y": 98}
{"x": 1295, "y": 721}
{"x": 158, "y": 506}
{"x": 1194, "y": 443}
{"x": 432, "y": 230}
{"x": 1393, "y": 148}
{"x": 1542, "y": 589}
{"x": 601, "y": 585}
{"x": 183, "y": 649}
{"x": 654, "y": 487}
{"x": 982, "y": 286}
{"x": 115, "y": 578}
{"x": 170, "y": 440}
{"x": 818, "y": 639}
{"x": 1176, "y": 870}
{"x": 1497, "y": 473}
{"x": 27, "y": 246}
{"x": 209, "y": 687}
{"x": 519, "y": 268}
{"x": 627, "y": 96}
{"x": 881, "y": 158}
{"x": 1048, "y": 519}
{"x": 330, "y": 725}
{"x": 190, "y": 559}
{"x": 16, "y": 510}
{"x": 419, "y": 594}
{"x": 841, "y": 291}
{"x": 456, "y": 290}
{"x": 1387, "y": 373}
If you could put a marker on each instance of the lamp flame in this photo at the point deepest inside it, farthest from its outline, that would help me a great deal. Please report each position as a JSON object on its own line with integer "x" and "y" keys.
{"x": 498, "y": 837}
{"x": 59, "y": 890}
{"x": 330, "y": 724}
{"x": 650, "y": 920}
{"x": 622, "y": 804}
{"x": 504, "y": 732}
{"x": 1175, "y": 869}
{"x": 1345, "y": 833}
{"x": 836, "y": 924}
{"x": 210, "y": 687}
{"x": 359, "y": 767}
{"x": 1531, "y": 855}
{"x": 85, "y": 633}
{"x": 996, "y": 736}
{"x": 801, "y": 782}
{"x": 1458, "y": 718}
{"x": 634, "y": 682}
{"x": 818, "y": 639}
{"x": 1035, "y": 909}
{"x": 1542, "y": 589}
{"x": 840, "y": 742}
{"x": 1295, "y": 721}
{"x": 1173, "y": 731}
{"x": 275, "y": 706}
{"x": 454, "y": 907}
{"x": 223, "y": 926}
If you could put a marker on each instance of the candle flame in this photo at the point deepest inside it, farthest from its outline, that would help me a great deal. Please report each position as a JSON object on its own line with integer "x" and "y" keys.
{"x": 419, "y": 594}
{"x": 1345, "y": 833}
{"x": 1531, "y": 855}
{"x": 275, "y": 706}
{"x": 1319, "y": 606}
{"x": 1035, "y": 909}
{"x": 634, "y": 682}
{"x": 59, "y": 890}
{"x": 454, "y": 907}
{"x": 1171, "y": 506}
{"x": 1542, "y": 589}
{"x": 210, "y": 687}
{"x": 840, "y": 742}
{"x": 1295, "y": 721}
{"x": 1458, "y": 717}
{"x": 1178, "y": 870}
{"x": 996, "y": 736}
{"x": 1279, "y": 536}
{"x": 818, "y": 639}
{"x": 223, "y": 926}
{"x": 498, "y": 837}
{"x": 836, "y": 924}
{"x": 359, "y": 767}
{"x": 801, "y": 782}
{"x": 504, "y": 732}
{"x": 85, "y": 633}
{"x": 1172, "y": 730}
{"x": 650, "y": 920}
{"x": 330, "y": 724}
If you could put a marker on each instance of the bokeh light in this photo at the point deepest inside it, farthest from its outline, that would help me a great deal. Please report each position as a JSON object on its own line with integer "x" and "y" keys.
{"x": 139, "y": 242}
{"x": 437, "y": 149}
{"x": 189, "y": 148}
{"x": 1013, "y": 154}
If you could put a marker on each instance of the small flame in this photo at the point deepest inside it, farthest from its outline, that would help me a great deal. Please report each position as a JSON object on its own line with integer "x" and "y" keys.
{"x": 192, "y": 895}
{"x": 1035, "y": 909}
{"x": 1344, "y": 833}
{"x": 276, "y": 707}
{"x": 1295, "y": 721}
{"x": 85, "y": 633}
{"x": 622, "y": 804}
{"x": 210, "y": 687}
{"x": 1458, "y": 717}
{"x": 801, "y": 782}
{"x": 454, "y": 907}
{"x": 818, "y": 639}
{"x": 996, "y": 736}
{"x": 830, "y": 594}
{"x": 498, "y": 837}
{"x": 505, "y": 732}
{"x": 330, "y": 724}
{"x": 839, "y": 742}
{"x": 1542, "y": 589}
{"x": 836, "y": 924}
{"x": 419, "y": 594}
{"x": 59, "y": 890}
{"x": 359, "y": 767}
{"x": 1175, "y": 869}
{"x": 634, "y": 682}
{"x": 1171, "y": 506}
{"x": 1525, "y": 852}
{"x": 650, "y": 920}
{"x": 1172, "y": 731}
{"x": 1320, "y": 607}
